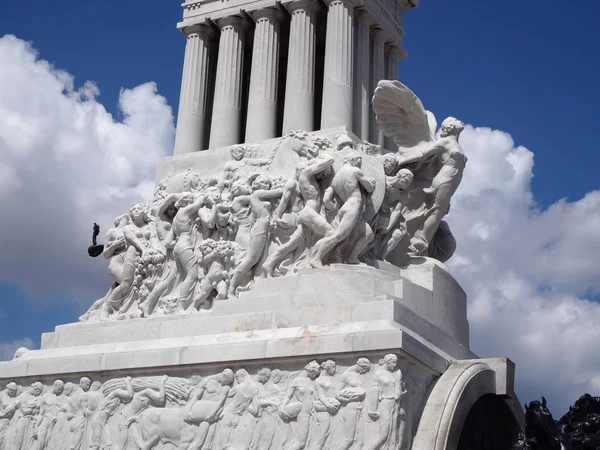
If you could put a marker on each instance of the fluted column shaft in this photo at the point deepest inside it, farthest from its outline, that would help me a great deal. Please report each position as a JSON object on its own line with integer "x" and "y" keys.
{"x": 362, "y": 84}
{"x": 261, "y": 122}
{"x": 227, "y": 105}
{"x": 191, "y": 134}
{"x": 298, "y": 111}
{"x": 392, "y": 58}
{"x": 339, "y": 57}
{"x": 378, "y": 73}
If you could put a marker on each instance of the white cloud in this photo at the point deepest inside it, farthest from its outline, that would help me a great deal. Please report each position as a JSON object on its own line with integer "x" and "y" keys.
{"x": 66, "y": 163}
{"x": 7, "y": 349}
{"x": 527, "y": 272}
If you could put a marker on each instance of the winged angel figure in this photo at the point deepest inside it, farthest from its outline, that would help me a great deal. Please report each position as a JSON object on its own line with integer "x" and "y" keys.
{"x": 437, "y": 164}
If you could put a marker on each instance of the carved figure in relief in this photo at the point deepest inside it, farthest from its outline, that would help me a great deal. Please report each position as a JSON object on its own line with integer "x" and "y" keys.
{"x": 298, "y": 406}
{"x": 79, "y": 407}
{"x": 239, "y": 418}
{"x": 351, "y": 396}
{"x": 238, "y": 161}
{"x": 99, "y": 435}
{"x": 326, "y": 405}
{"x": 381, "y": 401}
{"x": 438, "y": 164}
{"x": 115, "y": 251}
{"x": 21, "y": 434}
{"x": 142, "y": 250}
{"x": 217, "y": 260}
{"x": 391, "y": 224}
{"x": 204, "y": 410}
{"x": 164, "y": 229}
{"x": 448, "y": 155}
{"x": 129, "y": 432}
{"x": 350, "y": 188}
{"x": 308, "y": 184}
{"x": 9, "y": 404}
{"x": 50, "y": 410}
{"x": 268, "y": 400}
{"x": 257, "y": 197}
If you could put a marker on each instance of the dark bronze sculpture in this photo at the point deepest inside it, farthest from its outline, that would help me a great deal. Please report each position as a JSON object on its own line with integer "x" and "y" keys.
{"x": 579, "y": 429}
{"x": 95, "y": 250}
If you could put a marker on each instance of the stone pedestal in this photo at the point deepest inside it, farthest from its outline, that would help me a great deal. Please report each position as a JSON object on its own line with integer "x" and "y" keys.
{"x": 287, "y": 338}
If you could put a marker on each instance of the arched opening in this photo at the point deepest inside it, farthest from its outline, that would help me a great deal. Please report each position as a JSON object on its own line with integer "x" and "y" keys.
{"x": 490, "y": 425}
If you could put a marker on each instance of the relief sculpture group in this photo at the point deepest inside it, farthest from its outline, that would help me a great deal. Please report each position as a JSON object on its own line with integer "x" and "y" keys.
{"x": 361, "y": 406}
{"x": 305, "y": 203}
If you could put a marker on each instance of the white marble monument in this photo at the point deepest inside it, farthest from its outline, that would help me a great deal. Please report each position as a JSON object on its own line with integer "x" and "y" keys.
{"x": 285, "y": 287}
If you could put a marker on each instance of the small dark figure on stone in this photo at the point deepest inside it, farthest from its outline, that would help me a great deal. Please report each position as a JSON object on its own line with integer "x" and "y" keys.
{"x": 95, "y": 250}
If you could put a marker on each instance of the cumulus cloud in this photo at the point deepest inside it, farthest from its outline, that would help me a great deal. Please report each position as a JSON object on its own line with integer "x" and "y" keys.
{"x": 65, "y": 163}
{"x": 530, "y": 274}
{"x": 7, "y": 349}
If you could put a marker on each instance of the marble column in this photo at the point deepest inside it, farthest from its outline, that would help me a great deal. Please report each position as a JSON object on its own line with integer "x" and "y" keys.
{"x": 339, "y": 65}
{"x": 362, "y": 83}
{"x": 392, "y": 59}
{"x": 298, "y": 111}
{"x": 393, "y": 54}
{"x": 377, "y": 74}
{"x": 261, "y": 122}
{"x": 227, "y": 104}
{"x": 191, "y": 134}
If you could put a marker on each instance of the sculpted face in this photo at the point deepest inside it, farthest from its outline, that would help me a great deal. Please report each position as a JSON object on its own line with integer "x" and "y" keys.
{"x": 58, "y": 387}
{"x": 389, "y": 165}
{"x": 85, "y": 384}
{"x": 11, "y": 390}
{"x": 276, "y": 376}
{"x": 237, "y": 153}
{"x": 96, "y": 385}
{"x": 391, "y": 363}
{"x": 37, "y": 389}
{"x": 264, "y": 375}
{"x": 240, "y": 376}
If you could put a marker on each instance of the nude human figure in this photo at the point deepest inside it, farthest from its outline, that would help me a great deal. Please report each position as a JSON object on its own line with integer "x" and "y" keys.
{"x": 164, "y": 229}
{"x": 184, "y": 250}
{"x": 50, "y": 409}
{"x": 351, "y": 396}
{"x": 129, "y": 416}
{"x": 9, "y": 404}
{"x": 216, "y": 260}
{"x": 114, "y": 251}
{"x": 98, "y": 436}
{"x": 79, "y": 407}
{"x": 269, "y": 398}
{"x": 299, "y": 404}
{"x": 309, "y": 185}
{"x": 239, "y": 419}
{"x": 350, "y": 186}
{"x": 447, "y": 153}
{"x": 256, "y": 197}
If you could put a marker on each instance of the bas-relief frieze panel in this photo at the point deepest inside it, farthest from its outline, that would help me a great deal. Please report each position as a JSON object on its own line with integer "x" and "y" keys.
{"x": 369, "y": 402}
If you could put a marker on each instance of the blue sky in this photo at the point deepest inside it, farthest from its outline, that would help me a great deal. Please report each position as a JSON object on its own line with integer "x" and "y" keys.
{"x": 530, "y": 71}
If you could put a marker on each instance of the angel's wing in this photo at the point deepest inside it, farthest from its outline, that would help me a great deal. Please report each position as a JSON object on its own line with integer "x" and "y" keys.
{"x": 401, "y": 115}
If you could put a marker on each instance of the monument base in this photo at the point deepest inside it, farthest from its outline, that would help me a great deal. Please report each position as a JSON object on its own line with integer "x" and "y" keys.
{"x": 392, "y": 367}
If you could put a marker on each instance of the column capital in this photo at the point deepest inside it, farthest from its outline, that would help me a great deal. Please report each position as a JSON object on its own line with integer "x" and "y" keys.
{"x": 270, "y": 12}
{"x": 362, "y": 15}
{"x": 394, "y": 50}
{"x": 379, "y": 35}
{"x": 236, "y": 22}
{"x": 199, "y": 28}
{"x": 349, "y": 3}
{"x": 307, "y": 5}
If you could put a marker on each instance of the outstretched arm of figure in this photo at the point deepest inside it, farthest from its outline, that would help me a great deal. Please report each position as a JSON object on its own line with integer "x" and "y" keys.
{"x": 289, "y": 191}
{"x": 192, "y": 209}
{"x": 328, "y": 199}
{"x": 395, "y": 216}
{"x": 264, "y": 194}
{"x": 319, "y": 166}
{"x": 368, "y": 184}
